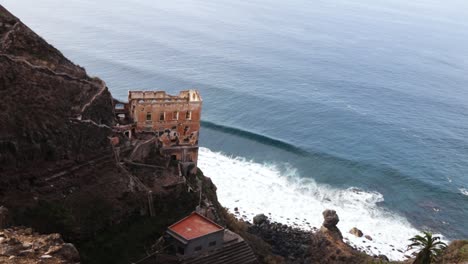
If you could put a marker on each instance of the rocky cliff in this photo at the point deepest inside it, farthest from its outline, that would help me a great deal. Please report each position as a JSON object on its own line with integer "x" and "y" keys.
{"x": 54, "y": 124}
{"x": 52, "y": 112}
{"x": 58, "y": 172}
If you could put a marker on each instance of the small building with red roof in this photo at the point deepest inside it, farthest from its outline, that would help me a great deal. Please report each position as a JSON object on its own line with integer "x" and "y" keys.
{"x": 195, "y": 234}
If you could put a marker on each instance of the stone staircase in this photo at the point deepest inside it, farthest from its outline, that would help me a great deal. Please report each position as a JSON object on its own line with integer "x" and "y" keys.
{"x": 235, "y": 253}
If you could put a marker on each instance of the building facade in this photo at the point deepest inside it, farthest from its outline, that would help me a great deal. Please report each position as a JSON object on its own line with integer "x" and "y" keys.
{"x": 196, "y": 239}
{"x": 175, "y": 120}
{"x": 195, "y": 234}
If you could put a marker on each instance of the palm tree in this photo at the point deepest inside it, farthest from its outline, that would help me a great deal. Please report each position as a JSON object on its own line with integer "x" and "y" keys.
{"x": 430, "y": 247}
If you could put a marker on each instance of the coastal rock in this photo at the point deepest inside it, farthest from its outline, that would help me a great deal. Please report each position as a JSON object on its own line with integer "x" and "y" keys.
{"x": 355, "y": 231}
{"x": 260, "y": 219}
{"x": 330, "y": 218}
{"x": 382, "y": 258}
{"x": 291, "y": 243}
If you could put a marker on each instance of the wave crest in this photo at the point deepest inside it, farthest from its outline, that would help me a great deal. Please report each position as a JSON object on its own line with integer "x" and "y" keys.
{"x": 254, "y": 136}
{"x": 464, "y": 191}
{"x": 278, "y": 191}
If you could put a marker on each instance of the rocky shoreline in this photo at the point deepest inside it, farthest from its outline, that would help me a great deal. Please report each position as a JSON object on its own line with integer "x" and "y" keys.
{"x": 291, "y": 243}
{"x": 295, "y": 245}
{"x": 356, "y": 238}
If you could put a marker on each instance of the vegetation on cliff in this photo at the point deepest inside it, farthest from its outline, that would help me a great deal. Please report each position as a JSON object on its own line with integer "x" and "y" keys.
{"x": 430, "y": 248}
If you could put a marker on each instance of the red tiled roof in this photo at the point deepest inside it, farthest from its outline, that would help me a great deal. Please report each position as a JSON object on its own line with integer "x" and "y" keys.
{"x": 194, "y": 225}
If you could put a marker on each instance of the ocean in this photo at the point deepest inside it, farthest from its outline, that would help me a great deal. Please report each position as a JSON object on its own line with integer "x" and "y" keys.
{"x": 357, "y": 106}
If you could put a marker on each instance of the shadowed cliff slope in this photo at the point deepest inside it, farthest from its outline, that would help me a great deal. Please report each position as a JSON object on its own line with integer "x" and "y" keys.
{"x": 56, "y": 169}
{"x": 44, "y": 95}
{"x": 58, "y": 173}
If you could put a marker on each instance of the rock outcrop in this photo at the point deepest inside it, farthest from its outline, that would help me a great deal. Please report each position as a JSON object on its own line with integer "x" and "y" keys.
{"x": 355, "y": 231}
{"x": 328, "y": 245}
{"x": 260, "y": 219}
{"x": 22, "y": 245}
{"x": 330, "y": 220}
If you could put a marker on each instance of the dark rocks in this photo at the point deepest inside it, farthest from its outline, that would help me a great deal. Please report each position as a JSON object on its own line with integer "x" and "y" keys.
{"x": 291, "y": 243}
{"x": 368, "y": 237}
{"x": 23, "y": 245}
{"x": 11, "y": 247}
{"x": 330, "y": 218}
{"x": 65, "y": 251}
{"x": 260, "y": 219}
{"x": 356, "y": 232}
{"x": 382, "y": 258}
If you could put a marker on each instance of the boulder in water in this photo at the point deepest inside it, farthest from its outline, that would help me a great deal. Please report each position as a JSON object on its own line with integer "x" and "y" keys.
{"x": 330, "y": 218}
{"x": 355, "y": 231}
{"x": 260, "y": 219}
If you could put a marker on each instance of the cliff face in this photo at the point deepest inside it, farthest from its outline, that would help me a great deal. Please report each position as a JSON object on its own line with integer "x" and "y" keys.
{"x": 56, "y": 169}
{"x": 43, "y": 95}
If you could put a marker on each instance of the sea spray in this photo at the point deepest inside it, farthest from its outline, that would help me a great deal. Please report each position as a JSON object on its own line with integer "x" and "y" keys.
{"x": 298, "y": 201}
{"x": 464, "y": 191}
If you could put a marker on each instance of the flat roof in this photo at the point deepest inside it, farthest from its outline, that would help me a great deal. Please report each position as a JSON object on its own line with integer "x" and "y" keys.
{"x": 191, "y": 95}
{"x": 194, "y": 225}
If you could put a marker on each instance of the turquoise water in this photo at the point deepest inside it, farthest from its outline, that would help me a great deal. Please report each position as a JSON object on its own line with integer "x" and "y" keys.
{"x": 365, "y": 94}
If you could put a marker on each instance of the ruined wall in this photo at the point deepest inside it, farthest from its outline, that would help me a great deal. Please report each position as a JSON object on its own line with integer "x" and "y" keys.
{"x": 174, "y": 119}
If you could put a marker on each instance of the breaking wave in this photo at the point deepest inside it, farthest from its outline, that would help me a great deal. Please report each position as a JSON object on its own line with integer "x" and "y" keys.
{"x": 278, "y": 191}
{"x": 464, "y": 191}
{"x": 254, "y": 136}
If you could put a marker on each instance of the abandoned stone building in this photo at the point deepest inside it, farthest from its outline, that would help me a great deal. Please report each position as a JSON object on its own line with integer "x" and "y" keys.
{"x": 175, "y": 120}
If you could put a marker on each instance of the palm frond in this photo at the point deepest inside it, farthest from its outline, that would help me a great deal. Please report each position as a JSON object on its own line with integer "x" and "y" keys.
{"x": 430, "y": 246}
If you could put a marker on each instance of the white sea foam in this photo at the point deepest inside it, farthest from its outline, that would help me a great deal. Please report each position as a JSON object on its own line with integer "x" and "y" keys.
{"x": 286, "y": 197}
{"x": 464, "y": 191}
